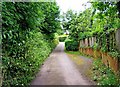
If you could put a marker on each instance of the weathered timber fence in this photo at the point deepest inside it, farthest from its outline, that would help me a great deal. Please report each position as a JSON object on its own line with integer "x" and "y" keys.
{"x": 100, "y": 45}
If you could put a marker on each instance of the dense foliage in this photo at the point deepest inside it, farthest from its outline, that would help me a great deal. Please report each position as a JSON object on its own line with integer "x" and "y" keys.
{"x": 62, "y": 39}
{"x": 103, "y": 75}
{"x": 100, "y": 21}
{"x": 28, "y": 28}
{"x": 71, "y": 45}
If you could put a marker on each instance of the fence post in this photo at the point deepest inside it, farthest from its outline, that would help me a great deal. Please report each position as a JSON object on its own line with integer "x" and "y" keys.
{"x": 118, "y": 39}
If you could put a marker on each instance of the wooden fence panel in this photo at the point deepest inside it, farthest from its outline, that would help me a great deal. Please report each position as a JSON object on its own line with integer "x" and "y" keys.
{"x": 112, "y": 41}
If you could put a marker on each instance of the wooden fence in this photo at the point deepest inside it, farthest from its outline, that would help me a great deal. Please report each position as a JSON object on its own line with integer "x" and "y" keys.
{"x": 112, "y": 41}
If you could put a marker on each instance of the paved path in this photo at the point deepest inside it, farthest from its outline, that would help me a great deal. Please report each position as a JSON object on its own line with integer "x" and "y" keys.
{"x": 59, "y": 69}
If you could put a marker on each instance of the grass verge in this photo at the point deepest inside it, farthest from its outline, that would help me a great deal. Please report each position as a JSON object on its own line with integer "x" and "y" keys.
{"x": 100, "y": 74}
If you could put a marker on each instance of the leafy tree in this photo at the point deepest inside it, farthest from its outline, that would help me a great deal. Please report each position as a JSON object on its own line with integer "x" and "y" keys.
{"x": 51, "y": 18}
{"x": 101, "y": 19}
{"x": 66, "y": 19}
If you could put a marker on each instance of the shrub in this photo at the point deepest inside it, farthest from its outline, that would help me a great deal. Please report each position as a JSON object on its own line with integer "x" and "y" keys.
{"x": 71, "y": 45}
{"x": 21, "y": 70}
{"x": 103, "y": 75}
{"x": 62, "y": 39}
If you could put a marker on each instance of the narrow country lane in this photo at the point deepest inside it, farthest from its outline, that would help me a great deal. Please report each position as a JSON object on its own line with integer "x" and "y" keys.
{"x": 59, "y": 69}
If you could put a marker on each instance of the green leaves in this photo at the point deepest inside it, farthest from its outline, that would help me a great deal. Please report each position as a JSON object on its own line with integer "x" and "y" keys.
{"x": 103, "y": 75}
{"x": 98, "y": 21}
{"x": 27, "y": 32}
{"x": 50, "y": 23}
{"x": 71, "y": 45}
{"x": 114, "y": 54}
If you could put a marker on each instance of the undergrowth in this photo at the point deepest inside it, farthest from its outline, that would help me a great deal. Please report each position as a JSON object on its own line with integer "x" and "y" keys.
{"x": 102, "y": 74}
